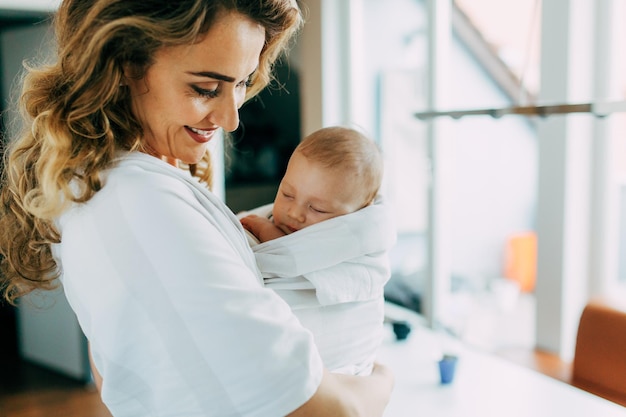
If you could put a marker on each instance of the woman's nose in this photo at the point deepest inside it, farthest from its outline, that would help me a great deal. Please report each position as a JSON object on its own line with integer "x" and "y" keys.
{"x": 226, "y": 112}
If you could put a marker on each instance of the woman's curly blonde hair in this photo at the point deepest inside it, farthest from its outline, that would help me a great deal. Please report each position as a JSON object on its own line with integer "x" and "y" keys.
{"x": 77, "y": 117}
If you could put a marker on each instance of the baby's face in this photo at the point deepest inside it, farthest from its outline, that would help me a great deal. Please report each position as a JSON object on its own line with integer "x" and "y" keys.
{"x": 309, "y": 194}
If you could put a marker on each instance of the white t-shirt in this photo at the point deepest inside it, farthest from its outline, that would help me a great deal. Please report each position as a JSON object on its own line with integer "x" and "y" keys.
{"x": 166, "y": 290}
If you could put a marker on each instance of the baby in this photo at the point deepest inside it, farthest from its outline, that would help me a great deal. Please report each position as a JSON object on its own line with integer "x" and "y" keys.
{"x": 322, "y": 245}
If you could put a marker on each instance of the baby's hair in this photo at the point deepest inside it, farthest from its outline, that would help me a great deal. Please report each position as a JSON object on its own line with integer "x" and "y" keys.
{"x": 349, "y": 152}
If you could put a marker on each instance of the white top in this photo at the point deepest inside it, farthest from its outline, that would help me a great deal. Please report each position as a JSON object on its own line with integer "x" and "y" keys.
{"x": 166, "y": 290}
{"x": 333, "y": 274}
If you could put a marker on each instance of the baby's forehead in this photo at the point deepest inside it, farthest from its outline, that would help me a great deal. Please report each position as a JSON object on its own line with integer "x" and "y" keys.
{"x": 352, "y": 190}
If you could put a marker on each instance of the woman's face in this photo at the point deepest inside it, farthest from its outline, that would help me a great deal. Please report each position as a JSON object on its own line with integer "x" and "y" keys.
{"x": 192, "y": 90}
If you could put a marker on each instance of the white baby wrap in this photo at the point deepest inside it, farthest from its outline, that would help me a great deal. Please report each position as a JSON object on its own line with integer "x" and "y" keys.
{"x": 332, "y": 274}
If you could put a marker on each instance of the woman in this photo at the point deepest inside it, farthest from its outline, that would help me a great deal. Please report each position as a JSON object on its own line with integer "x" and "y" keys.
{"x": 156, "y": 268}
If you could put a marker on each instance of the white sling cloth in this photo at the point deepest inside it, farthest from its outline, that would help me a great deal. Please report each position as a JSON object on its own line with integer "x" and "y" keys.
{"x": 332, "y": 274}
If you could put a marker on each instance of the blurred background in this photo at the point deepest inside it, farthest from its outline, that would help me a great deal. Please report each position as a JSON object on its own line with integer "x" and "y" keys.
{"x": 507, "y": 225}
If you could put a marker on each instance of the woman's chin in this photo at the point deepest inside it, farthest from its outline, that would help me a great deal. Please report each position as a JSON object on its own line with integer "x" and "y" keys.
{"x": 193, "y": 158}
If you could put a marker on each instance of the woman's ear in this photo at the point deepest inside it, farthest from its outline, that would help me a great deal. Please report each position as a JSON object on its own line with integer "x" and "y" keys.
{"x": 124, "y": 77}
{"x": 134, "y": 76}
{"x": 131, "y": 72}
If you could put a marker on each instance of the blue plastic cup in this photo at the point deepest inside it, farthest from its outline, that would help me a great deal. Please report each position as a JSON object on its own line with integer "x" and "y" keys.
{"x": 447, "y": 366}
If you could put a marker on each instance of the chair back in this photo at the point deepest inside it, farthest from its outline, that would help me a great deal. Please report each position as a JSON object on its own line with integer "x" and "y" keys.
{"x": 599, "y": 363}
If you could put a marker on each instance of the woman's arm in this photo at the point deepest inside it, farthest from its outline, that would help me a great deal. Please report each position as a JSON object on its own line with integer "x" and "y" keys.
{"x": 346, "y": 395}
{"x": 337, "y": 395}
{"x": 97, "y": 378}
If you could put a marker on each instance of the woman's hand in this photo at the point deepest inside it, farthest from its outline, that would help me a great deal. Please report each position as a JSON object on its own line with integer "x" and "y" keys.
{"x": 346, "y": 395}
{"x": 97, "y": 378}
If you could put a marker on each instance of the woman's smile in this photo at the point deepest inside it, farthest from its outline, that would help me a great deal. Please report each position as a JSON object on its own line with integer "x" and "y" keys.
{"x": 200, "y": 135}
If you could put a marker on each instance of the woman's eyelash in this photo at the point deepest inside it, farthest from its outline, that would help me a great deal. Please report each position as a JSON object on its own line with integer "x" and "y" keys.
{"x": 202, "y": 92}
{"x": 247, "y": 83}
{"x": 205, "y": 93}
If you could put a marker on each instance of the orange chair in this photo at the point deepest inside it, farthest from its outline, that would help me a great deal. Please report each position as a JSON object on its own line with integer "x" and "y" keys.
{"x": 599, "y": 363}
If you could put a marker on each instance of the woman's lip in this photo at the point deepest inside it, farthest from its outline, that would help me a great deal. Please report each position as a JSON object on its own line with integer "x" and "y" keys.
{"x": 198, "y": 137}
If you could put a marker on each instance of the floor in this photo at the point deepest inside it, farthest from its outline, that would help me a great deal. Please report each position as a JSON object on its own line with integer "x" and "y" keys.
{"x": 29, "y": 390}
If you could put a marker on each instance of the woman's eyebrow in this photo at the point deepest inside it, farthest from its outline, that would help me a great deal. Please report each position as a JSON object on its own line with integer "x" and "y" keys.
{"x": 213, "y": 75}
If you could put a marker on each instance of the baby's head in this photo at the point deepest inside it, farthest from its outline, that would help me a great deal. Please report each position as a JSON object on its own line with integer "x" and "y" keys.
{"x": 334, "y": 171}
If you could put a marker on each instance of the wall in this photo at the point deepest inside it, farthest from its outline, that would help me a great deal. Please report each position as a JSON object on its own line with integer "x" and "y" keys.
{"x": 257, "y": 154}
{"x": 495, "y": 161}
{"x": 48, "y": 332}
{"x": 30, "y": 5}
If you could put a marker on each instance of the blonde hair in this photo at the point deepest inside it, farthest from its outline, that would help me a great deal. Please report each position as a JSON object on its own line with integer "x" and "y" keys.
{"x": 350, "y": 153}
{"x": 78, "y": 116}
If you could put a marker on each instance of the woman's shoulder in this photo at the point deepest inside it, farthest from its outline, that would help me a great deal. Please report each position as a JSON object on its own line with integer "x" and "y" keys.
{"x": 135, "y": 182}
{"x": 140, "y": 166}
{"x": 141, "y": 175}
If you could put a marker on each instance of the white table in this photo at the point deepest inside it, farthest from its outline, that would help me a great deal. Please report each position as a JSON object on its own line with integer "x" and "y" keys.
{"x": 484, "y": 385}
